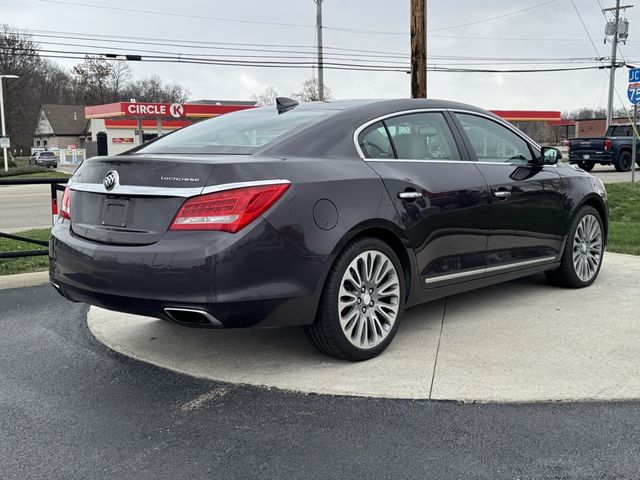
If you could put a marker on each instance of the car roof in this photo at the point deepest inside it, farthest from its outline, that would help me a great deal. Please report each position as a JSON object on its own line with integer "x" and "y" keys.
{"x": 332, "y": 135}
{"x": 390, "y": 104}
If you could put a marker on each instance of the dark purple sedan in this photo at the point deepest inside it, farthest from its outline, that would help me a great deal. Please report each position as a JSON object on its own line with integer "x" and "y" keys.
{"x": 336, "y": 216}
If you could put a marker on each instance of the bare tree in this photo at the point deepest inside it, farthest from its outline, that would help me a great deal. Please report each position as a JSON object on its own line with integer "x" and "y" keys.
{"x": 152, "y": 89}
{"x": 41, "y": 81}
{"x": 267, "y": 97}
{"x": 309, "y": 92}
{"x": 100, "y": 80}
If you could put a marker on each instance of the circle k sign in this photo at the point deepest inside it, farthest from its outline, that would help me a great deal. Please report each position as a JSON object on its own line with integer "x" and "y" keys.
{"x": 176, "y": 110}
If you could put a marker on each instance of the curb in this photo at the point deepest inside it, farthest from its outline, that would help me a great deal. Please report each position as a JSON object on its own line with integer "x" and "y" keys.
{"x": 20, "y": 280}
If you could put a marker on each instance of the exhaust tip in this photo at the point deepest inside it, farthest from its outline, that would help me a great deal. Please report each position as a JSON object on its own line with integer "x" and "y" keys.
{"x": 193, "y": 317}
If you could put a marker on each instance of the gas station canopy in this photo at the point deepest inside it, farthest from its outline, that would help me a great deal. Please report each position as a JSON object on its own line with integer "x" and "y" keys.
{"x": 159, "y": 110}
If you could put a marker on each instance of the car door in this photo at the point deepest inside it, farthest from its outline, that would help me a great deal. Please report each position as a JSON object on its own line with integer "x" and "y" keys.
{"x": 526, "y": 213}
{"x": 438, "y": 192}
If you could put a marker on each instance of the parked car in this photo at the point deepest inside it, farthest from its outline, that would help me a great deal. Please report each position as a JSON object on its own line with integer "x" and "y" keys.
{"x": 332, "y": 215}
{"x": 45, "y": 158}
{"x": 615, "y": 148}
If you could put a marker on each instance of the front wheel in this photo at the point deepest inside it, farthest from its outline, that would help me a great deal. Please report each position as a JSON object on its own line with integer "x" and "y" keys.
{"x": 361, "y": 303}
{"x": 586, "y": 166}
{"x": 623, "y": 162}
{"x": 583, "y": 251}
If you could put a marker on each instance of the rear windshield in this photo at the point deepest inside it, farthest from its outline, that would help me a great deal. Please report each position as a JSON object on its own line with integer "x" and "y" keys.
{"x": 47, "y": 154}
{"x": 239, "y": 132}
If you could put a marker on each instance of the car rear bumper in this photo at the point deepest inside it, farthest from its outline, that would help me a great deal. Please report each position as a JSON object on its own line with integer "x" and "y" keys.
{"x": 252, "y": 278}
{"x": 593, "y": 157}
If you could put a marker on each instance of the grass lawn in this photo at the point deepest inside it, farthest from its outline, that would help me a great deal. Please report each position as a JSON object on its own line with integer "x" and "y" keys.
{"x": 9, "y": 266}
{"x": 624, "y": 219}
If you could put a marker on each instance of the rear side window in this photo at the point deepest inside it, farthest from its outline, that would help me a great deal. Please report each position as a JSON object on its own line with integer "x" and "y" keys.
{"x": 620, "y": 131}
{"x": 374, "y": 142}
{"x": 422, "y": 136}
{"x": 237, "y": 132}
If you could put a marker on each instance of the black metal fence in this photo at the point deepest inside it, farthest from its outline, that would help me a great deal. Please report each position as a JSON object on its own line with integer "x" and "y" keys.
{"x": 56, "y": 184}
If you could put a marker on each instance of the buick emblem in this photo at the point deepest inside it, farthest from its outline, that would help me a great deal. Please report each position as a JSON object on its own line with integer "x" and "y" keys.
{"x": 111, "y": 180}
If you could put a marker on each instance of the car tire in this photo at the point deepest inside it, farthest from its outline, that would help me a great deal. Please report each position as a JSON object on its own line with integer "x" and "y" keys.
{"x": 623, "y": 162}
{"x": 352, "y": 324}
{"x": 586, "y": 166}
{"x": 583, "y": 251}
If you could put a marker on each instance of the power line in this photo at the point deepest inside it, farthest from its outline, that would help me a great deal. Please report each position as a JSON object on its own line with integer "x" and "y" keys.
{"x": 496, "y": 17}
{"x": 289, "y": 54}
{"x": 80, "y": 55}
{"x": 294, "y": 25}
{"x": 586, "y": 30}
{"x": 175, "y": 14}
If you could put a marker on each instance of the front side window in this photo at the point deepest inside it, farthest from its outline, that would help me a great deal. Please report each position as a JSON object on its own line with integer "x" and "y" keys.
{"x": 493, "y": 142}
{"x": 422, "y": 136}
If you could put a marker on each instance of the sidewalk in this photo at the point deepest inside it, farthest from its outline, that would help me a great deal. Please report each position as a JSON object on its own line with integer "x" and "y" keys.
{"x": 520, "y": 341}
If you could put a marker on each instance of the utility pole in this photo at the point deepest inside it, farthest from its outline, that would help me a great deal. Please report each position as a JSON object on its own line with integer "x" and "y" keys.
{"x": 419, "y": 48}
{"x": 319, "y": 40}
{"x": 614, "y": 51}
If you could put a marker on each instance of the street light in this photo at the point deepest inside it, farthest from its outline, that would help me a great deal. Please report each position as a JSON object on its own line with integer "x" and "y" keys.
{"x": 4, "y": 132}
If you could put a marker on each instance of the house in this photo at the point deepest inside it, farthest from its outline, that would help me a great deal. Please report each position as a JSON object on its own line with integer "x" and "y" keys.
{"x": 60, "y": 126}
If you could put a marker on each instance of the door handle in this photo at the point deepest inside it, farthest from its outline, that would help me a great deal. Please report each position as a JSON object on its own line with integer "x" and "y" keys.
{"x": 409, "y": 195}
{"x": 502, "y": 194}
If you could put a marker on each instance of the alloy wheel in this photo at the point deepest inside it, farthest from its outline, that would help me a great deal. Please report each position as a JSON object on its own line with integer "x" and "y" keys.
{"x": 368, "y": 299}
{"x": 587, "y": 248}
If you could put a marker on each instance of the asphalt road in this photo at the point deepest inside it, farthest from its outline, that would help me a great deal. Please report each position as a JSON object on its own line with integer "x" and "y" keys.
{"x": 70, "y": 409}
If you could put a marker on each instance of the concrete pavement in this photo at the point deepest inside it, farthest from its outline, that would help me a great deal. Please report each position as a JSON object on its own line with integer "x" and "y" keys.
{"x": 608, "y": 174}
{"x": 516, "y": 342}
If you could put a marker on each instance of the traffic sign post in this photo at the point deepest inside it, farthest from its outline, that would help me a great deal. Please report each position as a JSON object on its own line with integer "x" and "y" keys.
{"x": 633, "y": 93}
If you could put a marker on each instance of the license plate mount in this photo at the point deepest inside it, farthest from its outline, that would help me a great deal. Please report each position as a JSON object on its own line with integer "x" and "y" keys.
{"x": 114, "y": 213}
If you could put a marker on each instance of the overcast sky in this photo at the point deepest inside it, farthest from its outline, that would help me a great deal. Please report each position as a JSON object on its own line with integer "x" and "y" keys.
{"x": 551, "y": 30}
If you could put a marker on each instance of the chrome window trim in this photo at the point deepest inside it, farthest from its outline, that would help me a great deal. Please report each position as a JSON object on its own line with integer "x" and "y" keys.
{"x": 497, "y": 268}
{"x": 144, "y": 191}
{"x": 498, "y": 120}
{"x": 459, "y": 162}
{"x": 359, "y": 130}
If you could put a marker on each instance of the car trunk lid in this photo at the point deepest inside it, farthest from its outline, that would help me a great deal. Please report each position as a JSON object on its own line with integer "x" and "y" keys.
{"x": 131, "y": 200}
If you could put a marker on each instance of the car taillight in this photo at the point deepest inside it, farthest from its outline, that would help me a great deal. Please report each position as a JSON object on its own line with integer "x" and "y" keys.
{"x": 65, "y": 207}
{"x": 607, "y": 144}
{"x": 229, "y": 210}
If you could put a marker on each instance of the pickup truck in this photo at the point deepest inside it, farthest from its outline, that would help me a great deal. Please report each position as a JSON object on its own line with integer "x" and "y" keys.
{"x": 612, "y": 149}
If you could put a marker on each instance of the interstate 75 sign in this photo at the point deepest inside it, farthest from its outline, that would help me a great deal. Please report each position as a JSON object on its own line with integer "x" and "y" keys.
{"x": 633, "y": 90}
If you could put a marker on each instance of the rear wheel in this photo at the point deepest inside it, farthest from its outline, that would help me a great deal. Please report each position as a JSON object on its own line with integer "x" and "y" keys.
{"x": 583, "y": 251}
{"x": 362, "y": 302}
{"x": 586, "y": 166}
{"x": 623, "y": 162}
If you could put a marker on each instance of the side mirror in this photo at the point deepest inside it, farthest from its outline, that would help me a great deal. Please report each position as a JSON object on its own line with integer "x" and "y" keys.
{"x": 550, "y": 156}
